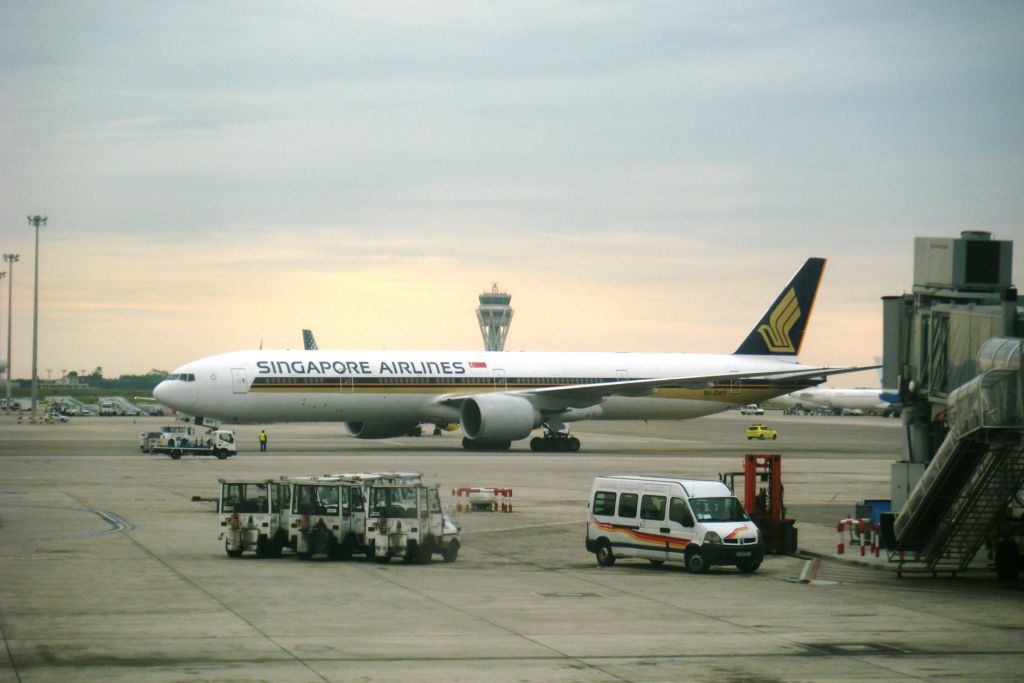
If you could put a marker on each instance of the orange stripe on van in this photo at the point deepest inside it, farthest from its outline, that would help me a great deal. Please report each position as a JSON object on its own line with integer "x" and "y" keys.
{"x": 641, "y": 536}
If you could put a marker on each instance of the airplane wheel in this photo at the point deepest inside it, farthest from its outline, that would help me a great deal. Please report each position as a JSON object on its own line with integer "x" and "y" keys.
{"x": 536, "y": 444}
{"x": 574, "y": 444}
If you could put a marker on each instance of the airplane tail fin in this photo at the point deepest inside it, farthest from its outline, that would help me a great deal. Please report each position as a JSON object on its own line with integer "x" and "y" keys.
{"x": 308, "y": 341}
{"x": 780, "y": 331}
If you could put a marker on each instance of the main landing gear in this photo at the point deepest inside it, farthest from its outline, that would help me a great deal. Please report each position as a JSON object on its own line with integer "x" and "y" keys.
{"x": 555, "y": 442}
{"x": 473, "y": 445}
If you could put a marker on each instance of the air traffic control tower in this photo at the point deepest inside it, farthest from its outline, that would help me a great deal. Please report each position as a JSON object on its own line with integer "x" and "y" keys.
{"x": 495, "y": 317}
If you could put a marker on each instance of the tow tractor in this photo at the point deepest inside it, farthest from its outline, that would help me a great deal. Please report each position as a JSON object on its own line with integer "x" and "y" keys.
{"x": 217, "y": 442}
{"x": 406, "y": 520}
{"x": 327, "y": 517}
{"x": 252, "y": 516}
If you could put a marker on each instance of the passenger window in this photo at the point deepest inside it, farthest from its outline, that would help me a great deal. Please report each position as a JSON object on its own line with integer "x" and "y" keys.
{"x": 604, "y": 503}
{"x": 652, "y": 507}
{"x": 678, "y": 513}
{"x": 627, "y": 505}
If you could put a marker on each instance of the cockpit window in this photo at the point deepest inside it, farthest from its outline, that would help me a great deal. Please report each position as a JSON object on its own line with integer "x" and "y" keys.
{"x": 181, "y": 377}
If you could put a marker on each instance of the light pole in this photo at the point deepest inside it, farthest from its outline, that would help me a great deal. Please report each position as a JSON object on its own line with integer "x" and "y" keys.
{"x": 10, "y": 259}
{"x": 3, "y": 275}
{"x": 35, "y": 221}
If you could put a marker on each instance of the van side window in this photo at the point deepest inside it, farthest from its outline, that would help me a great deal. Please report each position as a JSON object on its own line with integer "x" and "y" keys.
{"x": 652, "y": 507}
{"x": 627, "y": 505}
{"x": 677, "y": 511}
{"x": 604, "y": 503}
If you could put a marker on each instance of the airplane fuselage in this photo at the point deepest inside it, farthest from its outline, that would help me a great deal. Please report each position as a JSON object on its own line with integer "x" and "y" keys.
{"x": 309, "y": 386}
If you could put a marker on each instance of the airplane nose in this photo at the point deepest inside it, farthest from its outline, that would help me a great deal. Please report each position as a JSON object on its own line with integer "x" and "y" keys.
{"x": 161, "y": 392}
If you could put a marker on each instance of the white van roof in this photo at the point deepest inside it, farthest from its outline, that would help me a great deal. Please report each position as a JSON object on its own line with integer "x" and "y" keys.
{"x": 694, "y": 488}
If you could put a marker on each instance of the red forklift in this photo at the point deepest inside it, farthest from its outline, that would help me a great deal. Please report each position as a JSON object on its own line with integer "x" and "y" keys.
{"x": 763, "y": 501}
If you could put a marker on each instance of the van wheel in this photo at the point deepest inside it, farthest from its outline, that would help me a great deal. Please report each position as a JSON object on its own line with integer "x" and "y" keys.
{"x": 232, "y": 553}
{"x": 695, "y": 562}
{"x": 748, "y": 566}
{"x": 775, "y": 437}
{"x": 605, "y": 556}
{"x": 175, "y": 455}
{"x": 220, "y": 453}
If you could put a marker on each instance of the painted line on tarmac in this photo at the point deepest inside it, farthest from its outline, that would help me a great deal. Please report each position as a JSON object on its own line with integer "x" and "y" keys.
{"x": 518, "y": 528}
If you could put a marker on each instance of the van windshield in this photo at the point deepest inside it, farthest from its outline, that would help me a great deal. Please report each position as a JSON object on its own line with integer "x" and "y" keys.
{"x": 718, "y": 510}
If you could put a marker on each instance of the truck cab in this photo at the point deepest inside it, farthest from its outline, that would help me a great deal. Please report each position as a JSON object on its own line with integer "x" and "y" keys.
{"x": 406, "y": 520}
{"x": 327, "y": 517}
{"x": 252, "y": 516}
{"x": 696, "y": 522}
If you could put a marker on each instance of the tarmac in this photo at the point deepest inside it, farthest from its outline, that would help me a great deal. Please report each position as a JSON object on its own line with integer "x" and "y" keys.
{"x": 109, "y": 571}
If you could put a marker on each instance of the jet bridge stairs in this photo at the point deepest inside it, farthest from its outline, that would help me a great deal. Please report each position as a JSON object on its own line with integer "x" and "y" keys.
{"x": 976, "y": 473}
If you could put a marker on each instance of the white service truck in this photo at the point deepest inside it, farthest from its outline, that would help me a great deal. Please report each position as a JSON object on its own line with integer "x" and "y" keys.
{"x": 217, "y": 442}
{"x": 253, "y": 516}
{"x": 406, "y": 520}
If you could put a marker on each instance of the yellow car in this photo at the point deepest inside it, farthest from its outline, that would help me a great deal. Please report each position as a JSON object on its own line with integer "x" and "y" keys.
{"x": 761, "y": 432}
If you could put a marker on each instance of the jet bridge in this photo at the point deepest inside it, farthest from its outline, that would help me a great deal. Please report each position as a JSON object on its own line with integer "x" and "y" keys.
{"x": 977, "y": 471}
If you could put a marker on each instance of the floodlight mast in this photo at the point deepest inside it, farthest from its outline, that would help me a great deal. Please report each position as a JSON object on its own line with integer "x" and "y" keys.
{"x": 10, "y": 259}
{"x": 35, "y": 221}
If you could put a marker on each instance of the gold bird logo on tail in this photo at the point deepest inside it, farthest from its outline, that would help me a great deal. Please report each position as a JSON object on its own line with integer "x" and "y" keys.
{"x": 776, "y": 331}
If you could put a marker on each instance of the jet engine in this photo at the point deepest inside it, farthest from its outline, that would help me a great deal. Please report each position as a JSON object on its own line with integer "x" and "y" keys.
{"x": 498, "y": 418}
{"x": 379, "y": 430}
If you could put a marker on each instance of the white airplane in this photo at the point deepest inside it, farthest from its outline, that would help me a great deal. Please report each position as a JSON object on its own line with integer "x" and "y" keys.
{"x": 866, "y": 400}
{"x": 501, "y": 397}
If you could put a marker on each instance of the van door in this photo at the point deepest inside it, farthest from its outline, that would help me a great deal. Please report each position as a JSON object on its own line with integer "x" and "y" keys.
{"x": 681, "y": 528}
{"x": 653, "y": 529}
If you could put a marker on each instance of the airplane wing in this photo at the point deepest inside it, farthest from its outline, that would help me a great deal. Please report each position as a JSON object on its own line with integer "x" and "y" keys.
{"x": 583, "y": 395}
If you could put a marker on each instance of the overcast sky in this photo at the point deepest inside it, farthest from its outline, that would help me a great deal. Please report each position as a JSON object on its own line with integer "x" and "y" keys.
{"x": 640, "y": 176}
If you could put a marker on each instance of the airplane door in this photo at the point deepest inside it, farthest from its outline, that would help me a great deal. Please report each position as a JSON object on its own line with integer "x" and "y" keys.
{"x": 239, "y": 383}
{"x": 500, "y": 380}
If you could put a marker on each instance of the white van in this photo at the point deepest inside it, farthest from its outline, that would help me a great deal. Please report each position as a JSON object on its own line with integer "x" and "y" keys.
{"x": 662, "y": 519}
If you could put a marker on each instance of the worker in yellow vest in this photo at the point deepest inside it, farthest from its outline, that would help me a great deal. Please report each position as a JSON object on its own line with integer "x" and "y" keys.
{"x": 263, "y": 440}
